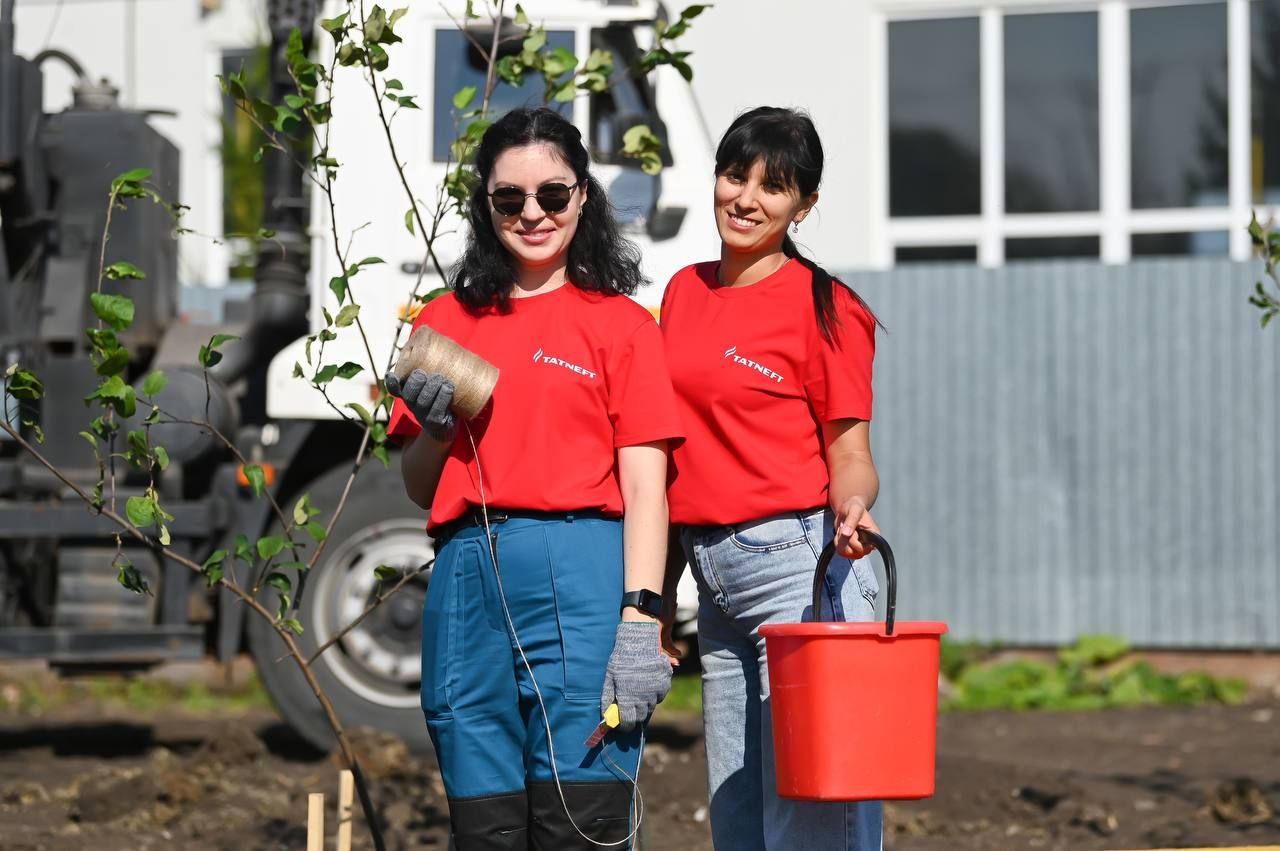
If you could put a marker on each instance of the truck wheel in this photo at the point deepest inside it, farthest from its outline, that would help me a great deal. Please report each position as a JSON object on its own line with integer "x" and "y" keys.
{"x": 373, "y": 673}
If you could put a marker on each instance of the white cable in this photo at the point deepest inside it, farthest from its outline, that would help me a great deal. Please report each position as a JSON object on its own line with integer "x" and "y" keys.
{"x": 637, "y": 800}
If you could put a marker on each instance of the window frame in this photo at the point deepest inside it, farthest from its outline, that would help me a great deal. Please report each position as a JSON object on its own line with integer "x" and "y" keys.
{"x": 1116, "y": 221}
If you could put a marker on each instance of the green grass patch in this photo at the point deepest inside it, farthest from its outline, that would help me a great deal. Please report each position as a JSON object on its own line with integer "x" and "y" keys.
{"x": 36, "y": 694}
{"x": 685, "y": 697}
{"x": 1097, "y": 672}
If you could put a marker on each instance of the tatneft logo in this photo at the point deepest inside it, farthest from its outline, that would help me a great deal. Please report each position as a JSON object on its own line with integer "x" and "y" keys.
{"x": 732, "y": 352}
{"x": 539, "y": 357}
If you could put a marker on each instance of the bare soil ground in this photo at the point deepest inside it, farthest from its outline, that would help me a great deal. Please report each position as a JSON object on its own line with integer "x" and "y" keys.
{"x": 79, "y": 777}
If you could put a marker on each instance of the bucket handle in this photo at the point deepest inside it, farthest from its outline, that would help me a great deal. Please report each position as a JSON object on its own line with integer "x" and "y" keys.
{"x": 890, "y": 572}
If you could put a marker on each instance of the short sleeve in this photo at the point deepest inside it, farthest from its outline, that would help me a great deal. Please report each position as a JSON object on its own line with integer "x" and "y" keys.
{"x": 642, "y": 403}
{"x": 839, "y": 379}
{"x": 403, "y": 425}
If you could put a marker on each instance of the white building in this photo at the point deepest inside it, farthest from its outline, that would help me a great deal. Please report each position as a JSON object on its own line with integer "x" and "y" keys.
{"x": 957, "y": 131}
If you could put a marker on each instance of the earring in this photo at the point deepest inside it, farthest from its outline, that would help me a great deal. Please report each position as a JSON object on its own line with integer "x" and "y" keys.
{"x": 579, "y": 212}
{"x": 795, "y": 227}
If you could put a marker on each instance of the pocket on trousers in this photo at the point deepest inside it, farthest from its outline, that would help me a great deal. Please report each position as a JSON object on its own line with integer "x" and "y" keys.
{"x": 440, "y": 628}
{"x": 779, "y": 532}
{"x": 586, "y": 569}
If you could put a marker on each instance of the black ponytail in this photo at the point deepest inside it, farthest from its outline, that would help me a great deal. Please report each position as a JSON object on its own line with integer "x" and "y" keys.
{"x": 787, "y": 143}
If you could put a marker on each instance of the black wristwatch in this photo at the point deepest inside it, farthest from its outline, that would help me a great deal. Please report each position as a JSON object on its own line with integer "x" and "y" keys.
{"x": 644, "y": 600}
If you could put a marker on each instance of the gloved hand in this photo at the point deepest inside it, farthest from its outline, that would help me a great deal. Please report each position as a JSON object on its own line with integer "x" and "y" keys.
{"x": 428, "y": 397}
{"x": 638, "y": 676}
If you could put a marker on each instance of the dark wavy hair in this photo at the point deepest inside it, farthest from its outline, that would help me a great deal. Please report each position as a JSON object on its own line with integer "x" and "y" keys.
{"x": 600, "y": 258}
{"x": 787, "y": 143}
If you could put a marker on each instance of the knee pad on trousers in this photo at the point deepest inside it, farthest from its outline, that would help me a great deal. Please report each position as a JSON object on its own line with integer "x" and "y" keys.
{"x": 490, "y": 823}
{"x": 601, "y": 810}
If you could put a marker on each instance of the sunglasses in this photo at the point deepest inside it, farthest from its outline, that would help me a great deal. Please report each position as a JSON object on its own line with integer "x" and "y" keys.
{"x": 552, "y": 198}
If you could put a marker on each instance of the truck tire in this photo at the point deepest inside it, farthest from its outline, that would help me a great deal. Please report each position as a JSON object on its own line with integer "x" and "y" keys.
{"x": 372, "y": 674}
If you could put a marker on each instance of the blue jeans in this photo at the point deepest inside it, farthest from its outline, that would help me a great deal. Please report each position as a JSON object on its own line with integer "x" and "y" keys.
{"x": 562, "y": 580}
{"x": 749, "y": 575}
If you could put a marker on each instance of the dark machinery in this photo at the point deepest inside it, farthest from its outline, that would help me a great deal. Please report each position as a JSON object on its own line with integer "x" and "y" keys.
{"x": 59, "y": 598}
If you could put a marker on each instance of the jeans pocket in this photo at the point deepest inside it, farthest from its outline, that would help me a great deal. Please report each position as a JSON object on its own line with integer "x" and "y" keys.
{"x": 778, "y": 532}
{"x": 865, "y": 575}
{"x": 440, "y": 627}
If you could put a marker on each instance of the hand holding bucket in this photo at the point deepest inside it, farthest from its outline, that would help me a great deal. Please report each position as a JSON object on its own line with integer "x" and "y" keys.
{"x": 855, "y": 705}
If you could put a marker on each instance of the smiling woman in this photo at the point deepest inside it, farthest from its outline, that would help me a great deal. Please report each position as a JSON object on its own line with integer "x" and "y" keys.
{"x": 771, "y": 361}
{"x": 558, "y": 476}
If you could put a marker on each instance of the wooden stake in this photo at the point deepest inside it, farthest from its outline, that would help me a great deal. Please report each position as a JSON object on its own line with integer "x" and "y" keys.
{"x": 315, "y": 821}
{"x": 346, "y": 786}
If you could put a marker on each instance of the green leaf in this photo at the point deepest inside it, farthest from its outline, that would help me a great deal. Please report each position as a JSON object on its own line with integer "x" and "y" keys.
{"x": 408, "y": 220}
{"x": 257, "y": 479}
{"x": 128, "y": 576}
{"x": 362, "y": 412}
{"x": 535, "y": 40}
{"x": 23, "y": 383}
{"x": 384, "y": 572}
{"x": 463, "y": 97}
{"x": 339, "y": 285}
{"x": 380, "y": 452}
{"x": 316, "y": 531}
{"x": 407, "y": 102}
{"x": 349, "y": 369}
{"x": 297, "y": 370}
{"x": 394, "y": 85}
{"x": 280, "y": 582}
{"x": 350, "y": 54}
{"x": 347, "y": 315}
{"x": 370, "y": 261}
{"x": 397, "y": 14}
{"x": 155, "y": 383}
{"x": 271, "y": 546}
{"x": 123, "y": 269}
{"x": 335, "y": 26}
{"x": 135, "y": 175}
{"x": 115, "y": 310}
{"x": 113, "y": 362}
{"x": 564, "y": 92}
{"x": 117, "y": 394}
{"x": 522, "y": 19}
{"x": 162, "y": 457}
{"x": 242, "y": 549}
{"x": 378, "y": 58}
{"x": 214, "y": 567}
{"x": 558, "y": 61}
{"x": 141, "y": 511}
{"x": 292, "y": 625}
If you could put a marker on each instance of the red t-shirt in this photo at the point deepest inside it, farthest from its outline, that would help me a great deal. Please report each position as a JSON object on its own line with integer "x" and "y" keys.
{"x": 581, "y": 374}
{"x": 756, "y": 380}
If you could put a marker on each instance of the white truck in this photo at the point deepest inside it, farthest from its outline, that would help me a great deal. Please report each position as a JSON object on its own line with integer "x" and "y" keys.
{"x": 58, "y": 598}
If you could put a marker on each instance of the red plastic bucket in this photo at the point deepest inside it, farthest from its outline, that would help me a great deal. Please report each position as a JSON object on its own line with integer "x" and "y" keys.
{"x": 855, "y": 705}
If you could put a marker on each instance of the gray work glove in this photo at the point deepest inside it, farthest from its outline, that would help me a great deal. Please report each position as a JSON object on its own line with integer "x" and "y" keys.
{"x": 428, "y": 397}
{"x": 638, "y": 676}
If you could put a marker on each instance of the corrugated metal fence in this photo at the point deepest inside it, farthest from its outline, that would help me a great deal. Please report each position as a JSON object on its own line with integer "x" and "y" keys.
{"x": 1069, "y": 448}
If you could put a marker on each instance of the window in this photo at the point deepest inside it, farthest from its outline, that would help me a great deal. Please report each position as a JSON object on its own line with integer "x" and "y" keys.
{"x": 458, "y": 64}
{"x": 935, "y": 254}
{"x": 1097, "y": 131}
{"x": 1051, "y": 113}
{"x": 1211, "y": 243}
{"x": 1265, "y": 30}
{"x": 933, "y": 118}
{"x": 1178, "y": 105}
{"x": 1047, "y": 247}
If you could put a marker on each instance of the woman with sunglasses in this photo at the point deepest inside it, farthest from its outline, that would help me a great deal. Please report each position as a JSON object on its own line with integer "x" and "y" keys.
{"x": 548, "y": 509}
{"x": 771, "y": 361}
